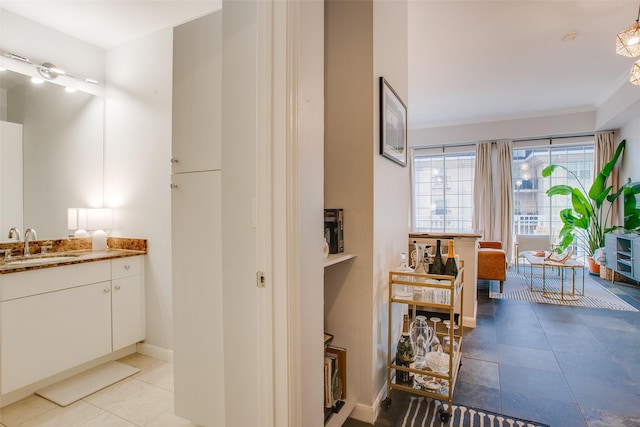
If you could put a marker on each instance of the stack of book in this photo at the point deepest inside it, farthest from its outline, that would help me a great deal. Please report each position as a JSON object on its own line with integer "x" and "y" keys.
{"x": 334, "y": 230}
{"x": 335, "y": 379}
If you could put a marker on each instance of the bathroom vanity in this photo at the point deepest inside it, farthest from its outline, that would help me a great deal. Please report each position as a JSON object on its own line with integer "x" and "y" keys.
{"x": 61, "y": 314}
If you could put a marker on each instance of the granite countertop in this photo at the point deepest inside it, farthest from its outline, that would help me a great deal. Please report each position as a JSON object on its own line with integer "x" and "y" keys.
{"x": 70, "y": 251}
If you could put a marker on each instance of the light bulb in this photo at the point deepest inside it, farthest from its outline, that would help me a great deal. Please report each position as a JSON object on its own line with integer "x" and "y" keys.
{"x": 36, "y": 80}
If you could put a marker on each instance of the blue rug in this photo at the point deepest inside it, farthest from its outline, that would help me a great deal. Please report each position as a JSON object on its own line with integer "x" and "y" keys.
{"x": 425, "y": 412}
{"x": 517, "y": 287}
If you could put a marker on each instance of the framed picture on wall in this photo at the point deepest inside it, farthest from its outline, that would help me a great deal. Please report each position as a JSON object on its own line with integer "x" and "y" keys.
{"x": 393, "y": 124}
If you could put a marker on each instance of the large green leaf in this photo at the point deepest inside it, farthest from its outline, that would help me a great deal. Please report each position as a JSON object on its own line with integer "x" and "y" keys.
{"x": 597, "y": 188}
{"x": 560, "y": 190}
{"x": 581, "y": 204}
{"x": 546, "y": 172}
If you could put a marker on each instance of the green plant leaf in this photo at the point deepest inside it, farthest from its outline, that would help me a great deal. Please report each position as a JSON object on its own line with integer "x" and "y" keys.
{"x": 597, "y": 188}
{"x": 546, "y": 172}
{"x": 559, "y": 190}
{"x": 581, "y": 204}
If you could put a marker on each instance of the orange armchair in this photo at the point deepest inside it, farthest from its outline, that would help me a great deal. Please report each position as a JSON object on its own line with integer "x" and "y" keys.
{"x": 492, "y": 261}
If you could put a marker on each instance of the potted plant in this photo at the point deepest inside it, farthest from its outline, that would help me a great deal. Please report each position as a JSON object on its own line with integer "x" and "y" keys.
{"x": 585, "y": 224}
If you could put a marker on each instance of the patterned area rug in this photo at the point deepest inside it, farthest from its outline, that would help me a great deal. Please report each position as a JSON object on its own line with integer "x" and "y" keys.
{"x": 516, "y": 287}
{"x": 424, "y": 412}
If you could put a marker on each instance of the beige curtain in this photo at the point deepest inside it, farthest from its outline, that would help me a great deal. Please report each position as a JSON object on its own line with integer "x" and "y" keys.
{"x": 503, "y": 228}
{"x": 605, "y": 148}
{"x": 483, "y": 191}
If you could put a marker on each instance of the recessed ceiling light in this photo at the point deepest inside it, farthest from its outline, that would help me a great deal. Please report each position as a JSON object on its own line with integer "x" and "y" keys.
{"x": 570, "y": 36}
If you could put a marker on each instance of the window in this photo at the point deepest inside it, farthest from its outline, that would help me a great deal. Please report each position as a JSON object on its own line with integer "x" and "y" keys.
{"x": 443, "y": 190}
{"x": 535, "y": 212}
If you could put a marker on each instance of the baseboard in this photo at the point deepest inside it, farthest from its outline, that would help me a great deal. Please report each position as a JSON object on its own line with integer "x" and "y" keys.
{"x": 470, "y": 322}
{"x": 369, "y": 414}
{"x": 155, "y": 352}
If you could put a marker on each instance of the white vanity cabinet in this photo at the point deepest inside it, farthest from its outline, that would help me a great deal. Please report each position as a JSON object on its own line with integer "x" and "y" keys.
{"x": 57, "y": 318}
{"x": 127, "y": 301}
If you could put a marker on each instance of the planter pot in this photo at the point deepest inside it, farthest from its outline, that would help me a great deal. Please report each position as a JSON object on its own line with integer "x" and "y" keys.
{"x": 593, "y": 267}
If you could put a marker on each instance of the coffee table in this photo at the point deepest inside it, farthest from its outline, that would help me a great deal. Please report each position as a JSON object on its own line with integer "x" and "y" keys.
{"x": 562, "y": 294}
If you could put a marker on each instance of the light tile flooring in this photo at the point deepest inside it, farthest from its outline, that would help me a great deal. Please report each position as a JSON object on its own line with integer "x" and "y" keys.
{"x": 144, "y": 399}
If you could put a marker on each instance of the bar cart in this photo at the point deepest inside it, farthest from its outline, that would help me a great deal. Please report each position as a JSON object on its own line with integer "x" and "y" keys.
{"x": 433, "y": 293}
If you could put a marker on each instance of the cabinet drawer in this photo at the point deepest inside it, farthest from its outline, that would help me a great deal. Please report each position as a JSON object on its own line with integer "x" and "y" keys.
{"x": 34, "y": 282}
{"x": 125, "y": 267}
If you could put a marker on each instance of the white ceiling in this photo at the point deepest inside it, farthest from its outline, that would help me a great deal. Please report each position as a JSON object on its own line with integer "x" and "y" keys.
{"x": 469, "y": 61}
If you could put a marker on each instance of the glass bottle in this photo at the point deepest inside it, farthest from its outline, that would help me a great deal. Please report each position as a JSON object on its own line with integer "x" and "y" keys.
{"x": 437, "y": 267}
{"x": 451, "y": 268}
{"x": 404, "y": 354}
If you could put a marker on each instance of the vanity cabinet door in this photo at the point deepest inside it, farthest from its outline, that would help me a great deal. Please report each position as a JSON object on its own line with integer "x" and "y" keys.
{"x": 48, "y": 333}
{"x": 128, "y": 320}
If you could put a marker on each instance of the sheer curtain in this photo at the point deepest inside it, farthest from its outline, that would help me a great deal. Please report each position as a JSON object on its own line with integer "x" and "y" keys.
{"x": 503, "y": 229}
{"x": 483, "y": 191}
{"x": 605, "y": 148}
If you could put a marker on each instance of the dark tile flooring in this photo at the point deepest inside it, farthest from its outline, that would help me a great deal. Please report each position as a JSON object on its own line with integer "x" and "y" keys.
{"x": 564, "y": 366}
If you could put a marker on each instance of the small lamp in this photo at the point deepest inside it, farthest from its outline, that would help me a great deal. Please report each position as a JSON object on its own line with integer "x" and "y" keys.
{"x": 77, "y": 220}
{"x": 99, "y": 220}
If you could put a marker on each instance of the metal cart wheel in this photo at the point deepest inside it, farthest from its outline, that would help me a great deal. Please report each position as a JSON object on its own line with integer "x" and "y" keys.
{"x": 444, "y": 415}
{"x": 386, "y": 403}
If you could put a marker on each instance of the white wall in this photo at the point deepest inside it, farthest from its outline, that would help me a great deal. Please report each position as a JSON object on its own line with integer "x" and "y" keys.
{"x": 310, "y": 113}
{"x": 556, "y": 125}
{"x": 42, "y": 44}
{"x": 137, "y": 167}
{"x": 391, "y": 185}
{"x": 630, "y": 166}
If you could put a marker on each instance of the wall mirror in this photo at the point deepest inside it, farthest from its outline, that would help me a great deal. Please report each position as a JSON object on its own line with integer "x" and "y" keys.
{"x": 61, "y": 139}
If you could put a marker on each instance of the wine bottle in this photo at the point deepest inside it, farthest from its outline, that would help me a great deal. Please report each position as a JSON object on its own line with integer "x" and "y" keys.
{"x": 437, "y": 267}
{"x": 404, "y": 354}
{"x": 451, "y": 268}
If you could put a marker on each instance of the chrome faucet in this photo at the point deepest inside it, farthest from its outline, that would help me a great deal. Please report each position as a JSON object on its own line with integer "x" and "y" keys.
{"x": 14, "y": 233}
{"x": 29, "y": 232}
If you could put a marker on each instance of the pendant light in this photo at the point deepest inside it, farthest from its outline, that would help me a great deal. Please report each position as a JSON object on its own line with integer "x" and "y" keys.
{"x": 628, "y": 41}
{"x": 634, "y": 77}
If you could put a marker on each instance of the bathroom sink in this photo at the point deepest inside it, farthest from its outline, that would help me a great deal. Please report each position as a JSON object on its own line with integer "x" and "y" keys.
{"x": 41, "y": 260}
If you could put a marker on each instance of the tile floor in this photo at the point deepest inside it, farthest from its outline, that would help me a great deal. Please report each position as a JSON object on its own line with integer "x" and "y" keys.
{"x": 559, "y": 365}
{"x": 564, "y": 366}
{"x": 144, "y": 399}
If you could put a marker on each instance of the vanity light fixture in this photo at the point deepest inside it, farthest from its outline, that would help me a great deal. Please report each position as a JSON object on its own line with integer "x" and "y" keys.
{"x": 36, "y": 81}
{"x": 47, "y": 70}
{"x": 50, "y": 71}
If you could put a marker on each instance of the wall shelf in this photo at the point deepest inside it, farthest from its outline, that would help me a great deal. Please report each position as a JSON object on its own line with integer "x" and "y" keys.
{"x": 337, "y": 258}
{"x": 338, "y": 419}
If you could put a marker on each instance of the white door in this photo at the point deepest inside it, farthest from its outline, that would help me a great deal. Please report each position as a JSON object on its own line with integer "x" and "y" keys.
{"x": 197, "y": 298}
{"x": 197, "y": 99}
